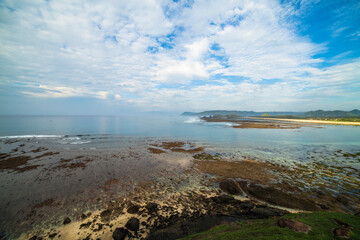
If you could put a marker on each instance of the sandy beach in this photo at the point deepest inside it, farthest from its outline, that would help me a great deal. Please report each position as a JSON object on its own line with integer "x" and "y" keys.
{"x": 309, "y": 121}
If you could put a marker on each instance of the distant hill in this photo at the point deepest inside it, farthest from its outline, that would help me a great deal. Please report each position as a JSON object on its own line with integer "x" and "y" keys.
{"x": 332, "y": 114}
{"x": 315, "y": 114}
{"x": 238, "y": 113}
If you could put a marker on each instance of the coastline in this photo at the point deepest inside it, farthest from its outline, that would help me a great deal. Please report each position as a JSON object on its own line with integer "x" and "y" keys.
{"x": 164, "y": 186}
{"x": 308, "y": 121}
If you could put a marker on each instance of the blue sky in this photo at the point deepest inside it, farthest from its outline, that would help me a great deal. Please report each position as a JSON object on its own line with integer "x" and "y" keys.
{"x": 113, "y": 57}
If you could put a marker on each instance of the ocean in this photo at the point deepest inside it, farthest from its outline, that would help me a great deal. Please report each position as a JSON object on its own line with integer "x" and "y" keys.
{"x": 265, "y": 144}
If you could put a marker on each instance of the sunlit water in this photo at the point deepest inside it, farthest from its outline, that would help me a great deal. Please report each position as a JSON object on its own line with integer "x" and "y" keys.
{"x": 269, "y": 144}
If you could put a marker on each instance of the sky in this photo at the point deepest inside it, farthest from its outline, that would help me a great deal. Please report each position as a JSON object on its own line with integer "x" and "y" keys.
{"x": 115, "y": 57}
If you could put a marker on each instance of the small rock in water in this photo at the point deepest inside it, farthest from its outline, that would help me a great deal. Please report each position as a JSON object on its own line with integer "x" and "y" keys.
{"x": 67, "y": 220}
{"x": 120, "y": 234}
{"x": 151, "y": 207}
{"x": 133, "y": 209}
{"x": 132, "y": 224}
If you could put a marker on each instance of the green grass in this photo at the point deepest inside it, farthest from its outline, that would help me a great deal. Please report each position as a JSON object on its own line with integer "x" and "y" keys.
{"x": 322, "y": 224}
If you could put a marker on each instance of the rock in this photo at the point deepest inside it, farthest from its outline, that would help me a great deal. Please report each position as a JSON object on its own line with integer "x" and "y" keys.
{"x": 343, "y": 200}
{"x": 223, "y": 199}
{"x": 84, "y": 216}
{"x": 105, "y": 215}
{"x": 190, "y": 226}
{"x": 52, "y": 235}
{"x": 261, "y": 212}
{"x": 132, "y": 224}
{"x": 133, "y": 209}
{"x": 278, "y": 197}
{"x": 67, "y": 220}
{"x": 294, "y": 225}
{"x": 120, "y": 233}
{"x": 343, "y": 232}
{"x": 230, "y": 187}
{"x": 246, "y": 205}
{"x": 85, "y": 225}
{"x": 151, "y": 207}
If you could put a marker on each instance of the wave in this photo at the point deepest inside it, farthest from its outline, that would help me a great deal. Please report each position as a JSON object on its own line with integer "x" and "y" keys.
{"x": 71, "y": 138}
{"x": 228, "y": 124}
{"x": 32, "y": 136}
{"x": 80, "y": 142}
{"x": 193, "y": 120}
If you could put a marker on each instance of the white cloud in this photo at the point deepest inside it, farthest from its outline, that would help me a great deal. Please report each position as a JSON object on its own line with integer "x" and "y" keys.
{"x": 57, "y": 49}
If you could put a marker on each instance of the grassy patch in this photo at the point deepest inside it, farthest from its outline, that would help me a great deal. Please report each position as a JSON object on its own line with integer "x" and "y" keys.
{"x": 322, "y": 224}
{"x": 207, "y": 156}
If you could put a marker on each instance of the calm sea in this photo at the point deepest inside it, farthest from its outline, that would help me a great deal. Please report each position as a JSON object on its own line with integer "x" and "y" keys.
{"x": 282, "y": 145}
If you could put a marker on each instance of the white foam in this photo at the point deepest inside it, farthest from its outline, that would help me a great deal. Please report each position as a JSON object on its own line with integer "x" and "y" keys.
{"x": 71, "y": 138}
{"x": 193, "y": 120}
{"x": 222, "y": 124}
{"x": 80, "y": 142}
{"x": 32, "y": 136}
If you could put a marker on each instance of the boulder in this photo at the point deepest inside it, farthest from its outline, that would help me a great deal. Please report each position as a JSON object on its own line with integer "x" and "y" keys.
{"x": 120, "y": 233}
{"x": 132, "y": 224}
{"x": 151, "y": 207}
{"x": 133, "y": 209}
{"x": 67, "y": 220}
{"x": 278, "y": 197}
{"x": 105, "y": 215}
{"x": 294, "y": 225}
{"x": 343, "y": 232}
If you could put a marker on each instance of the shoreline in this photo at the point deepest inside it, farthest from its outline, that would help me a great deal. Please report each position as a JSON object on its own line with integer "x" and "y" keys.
{"x": 182, "y": 185}
{"x": 309, "y": 121}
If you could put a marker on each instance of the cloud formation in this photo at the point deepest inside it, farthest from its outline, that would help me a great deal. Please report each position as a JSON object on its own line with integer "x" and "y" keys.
{"x": 184, "y": 55}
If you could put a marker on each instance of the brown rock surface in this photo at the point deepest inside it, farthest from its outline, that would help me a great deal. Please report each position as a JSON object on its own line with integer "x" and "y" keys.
{"x": 294, "y": 225}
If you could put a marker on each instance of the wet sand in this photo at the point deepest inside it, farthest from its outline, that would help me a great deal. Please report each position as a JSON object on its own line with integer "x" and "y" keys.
{"x": 56, "y": 191}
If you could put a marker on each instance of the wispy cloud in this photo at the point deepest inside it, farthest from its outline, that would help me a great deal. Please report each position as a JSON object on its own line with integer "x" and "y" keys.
{"x": 223, "y": 54}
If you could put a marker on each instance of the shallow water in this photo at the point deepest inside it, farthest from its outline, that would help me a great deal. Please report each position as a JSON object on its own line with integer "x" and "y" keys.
{"x": 73, "y": 174}
{"x": 284, "y": 145}
{"x": 112, "y": 157}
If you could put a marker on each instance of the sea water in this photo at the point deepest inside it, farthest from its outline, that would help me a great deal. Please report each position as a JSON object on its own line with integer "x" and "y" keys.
{"x": 272, "y": 144}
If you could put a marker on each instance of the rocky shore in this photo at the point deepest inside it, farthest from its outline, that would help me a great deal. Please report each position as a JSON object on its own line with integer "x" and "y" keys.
{"x": 259, "y": 124}
{"x": 189, "y": 190}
